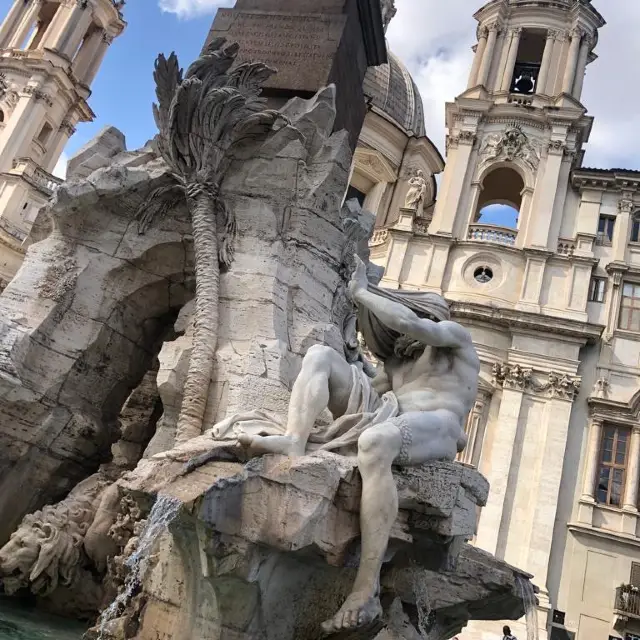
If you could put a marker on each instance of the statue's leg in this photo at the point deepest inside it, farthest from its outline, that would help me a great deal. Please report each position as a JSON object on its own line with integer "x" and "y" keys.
{"x": 410, "y": 439}
{"x": 378, "y": 447}
{"x": 324, "y": 382}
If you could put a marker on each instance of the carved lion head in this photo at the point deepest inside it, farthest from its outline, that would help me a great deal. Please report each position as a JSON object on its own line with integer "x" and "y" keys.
{"x": 40, "y": 555}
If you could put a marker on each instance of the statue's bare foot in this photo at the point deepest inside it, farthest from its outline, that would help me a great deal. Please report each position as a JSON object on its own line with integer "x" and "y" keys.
{"x": 259, "y": 445}
{"x": 359, "y": 610}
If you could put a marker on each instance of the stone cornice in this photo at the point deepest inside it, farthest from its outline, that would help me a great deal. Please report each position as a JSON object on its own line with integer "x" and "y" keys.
{"x": 518, "y": 320}
{"x": 606, "y": 410}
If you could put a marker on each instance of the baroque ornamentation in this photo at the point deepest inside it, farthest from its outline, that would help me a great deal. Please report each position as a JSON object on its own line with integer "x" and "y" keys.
{"x": 556, "y": 385}
{"x": 625, "y": 206}
{"x": 38, "y": 94}
{"x": 388, "y": 12}
{"x": 512, "y": 143}
{"x": 557, "y": 146}
{"x": 67, "y": 128}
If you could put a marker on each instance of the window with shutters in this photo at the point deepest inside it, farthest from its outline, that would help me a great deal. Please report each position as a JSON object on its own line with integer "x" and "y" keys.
{"x": 635, "y": 574}
{"x": 613, "y": 465}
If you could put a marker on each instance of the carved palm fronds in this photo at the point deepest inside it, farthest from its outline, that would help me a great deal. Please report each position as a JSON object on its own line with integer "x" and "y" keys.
{"x": 201, "y": 115}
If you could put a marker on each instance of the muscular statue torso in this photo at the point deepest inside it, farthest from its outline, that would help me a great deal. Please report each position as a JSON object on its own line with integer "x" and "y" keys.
{"x": 440, "y": 378}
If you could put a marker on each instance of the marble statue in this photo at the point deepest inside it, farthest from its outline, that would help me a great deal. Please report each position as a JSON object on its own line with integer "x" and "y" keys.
{"x": 412, "y": 412}
{"x": 417, "y": 191}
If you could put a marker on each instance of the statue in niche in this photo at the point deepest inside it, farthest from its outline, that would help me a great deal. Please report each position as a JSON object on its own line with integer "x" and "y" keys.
{"x": 417, "y": 191}
{"x": 412, "y": 412}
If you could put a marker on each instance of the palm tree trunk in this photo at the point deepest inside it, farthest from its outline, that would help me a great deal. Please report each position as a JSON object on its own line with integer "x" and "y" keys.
{"x": 205, "y": 334}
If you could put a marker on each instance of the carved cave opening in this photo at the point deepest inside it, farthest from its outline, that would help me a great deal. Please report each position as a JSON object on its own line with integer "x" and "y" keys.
{"x": 500, "y": 200}
{"x": 105, "y": 395}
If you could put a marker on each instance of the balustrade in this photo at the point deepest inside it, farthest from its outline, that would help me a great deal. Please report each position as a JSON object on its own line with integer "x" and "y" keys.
{"x": 493, "y": 234}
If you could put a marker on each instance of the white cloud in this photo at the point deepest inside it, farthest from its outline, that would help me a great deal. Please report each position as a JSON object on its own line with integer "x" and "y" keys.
{"x": 434, "y": 39}
{"x": 193, "y": 8}
{"x": 60, "y": 170}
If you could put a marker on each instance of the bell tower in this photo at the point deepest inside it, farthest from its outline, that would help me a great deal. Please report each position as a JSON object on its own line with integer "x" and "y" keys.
{"x": 50, "y": 53}
{"x": 517, "y": 130}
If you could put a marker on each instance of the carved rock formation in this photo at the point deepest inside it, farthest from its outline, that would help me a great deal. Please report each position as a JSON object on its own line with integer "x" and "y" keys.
{"x": 286, "y": 530}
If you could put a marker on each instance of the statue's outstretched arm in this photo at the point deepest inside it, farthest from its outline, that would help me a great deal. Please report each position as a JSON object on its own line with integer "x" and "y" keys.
{"x": 401, "y": 319}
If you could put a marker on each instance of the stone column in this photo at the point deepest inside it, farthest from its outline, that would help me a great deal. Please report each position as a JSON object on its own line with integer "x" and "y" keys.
{"x": 572, "y": 61}
{"x": 477, "y": 60}
{"x": 507, "y": 75}
{"x": 69, "y": 16}
{"x": 374, "y": 197}
{"x": 25, "y": 25}
{"x": 487, "y": 58}
{"x": 546, "y": 63}
{"x": 475, "y": 430}
{"x": 630, "y": 500}
{"x": 582, "y": 67}
{"x": 500, "y": 456}
{"x": 16, "y": 13}
{"x": 622, "y": 229}
{"x": 94, "y": 67}
{"x": 592, "y": 461}
{"x": 78, "y": 29}
{"x": 539, "y": 224}
{"x": 87, "y": 53}
{"x": 64, "y": 133}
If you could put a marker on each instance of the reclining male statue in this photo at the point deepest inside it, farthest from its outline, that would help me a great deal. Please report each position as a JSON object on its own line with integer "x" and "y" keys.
{"x": 412, "y": 412}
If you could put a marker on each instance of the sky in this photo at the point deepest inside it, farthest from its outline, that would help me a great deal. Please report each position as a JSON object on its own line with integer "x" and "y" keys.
{"x": 433, "y": 38}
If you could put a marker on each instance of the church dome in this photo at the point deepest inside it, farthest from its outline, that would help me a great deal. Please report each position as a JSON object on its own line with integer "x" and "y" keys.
{"x": 391, "y": 89}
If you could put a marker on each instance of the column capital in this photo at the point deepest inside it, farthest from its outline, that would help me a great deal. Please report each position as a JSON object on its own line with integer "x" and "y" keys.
{"x": 515, "y": 31}
{"x": 483, "y": 32}
{"x": 553, "y": 34}
{"x": 625, "y": 206}
{"x": 493, "y": 26}
{"x": 578, "y": 32}
{"x": 67, "y": 128}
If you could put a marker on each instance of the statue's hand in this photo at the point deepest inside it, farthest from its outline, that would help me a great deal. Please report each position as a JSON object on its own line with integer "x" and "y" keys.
{"x": 359, "y": 281}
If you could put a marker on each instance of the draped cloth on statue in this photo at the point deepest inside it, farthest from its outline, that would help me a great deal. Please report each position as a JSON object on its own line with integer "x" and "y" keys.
{"x": 379, "y": 338}
{"x": 365, "y": 409}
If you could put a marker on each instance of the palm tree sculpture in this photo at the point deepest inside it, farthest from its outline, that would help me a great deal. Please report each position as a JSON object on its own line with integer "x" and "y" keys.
{"x": 201, "y": 117}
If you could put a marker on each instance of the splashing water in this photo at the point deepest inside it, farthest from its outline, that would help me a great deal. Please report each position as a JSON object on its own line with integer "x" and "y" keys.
{"x": 528, "y": 597}
{"x": 423, "y": 603}
{"x": 164, "y": 512}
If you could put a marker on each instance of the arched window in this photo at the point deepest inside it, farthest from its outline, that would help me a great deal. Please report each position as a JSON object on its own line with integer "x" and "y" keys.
{"x": 501, "y": 198}
{"x": 1, "y": 116}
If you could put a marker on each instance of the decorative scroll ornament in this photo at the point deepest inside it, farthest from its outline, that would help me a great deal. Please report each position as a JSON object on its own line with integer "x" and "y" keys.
{"x": 557, "y": 385}
{"x": 511, "y": 144}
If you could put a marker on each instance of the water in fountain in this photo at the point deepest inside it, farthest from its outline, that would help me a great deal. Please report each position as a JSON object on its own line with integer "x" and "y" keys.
{"x": 423, "y": 603}
{"x": 164, "y": 511}
{"x": 528, "y": 596}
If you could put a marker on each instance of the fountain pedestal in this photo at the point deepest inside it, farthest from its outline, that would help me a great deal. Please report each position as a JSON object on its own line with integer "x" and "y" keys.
{"x": 268, "y": 549}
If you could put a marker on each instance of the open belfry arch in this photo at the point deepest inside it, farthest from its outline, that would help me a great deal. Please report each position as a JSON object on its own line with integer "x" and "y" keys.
{"x": 50, "y": 53}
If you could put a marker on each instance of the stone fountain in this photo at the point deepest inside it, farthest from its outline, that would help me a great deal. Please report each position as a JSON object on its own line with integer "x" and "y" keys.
{"x": 134, "y": 405}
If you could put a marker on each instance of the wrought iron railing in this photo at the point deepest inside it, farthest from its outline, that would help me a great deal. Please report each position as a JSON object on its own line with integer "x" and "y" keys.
{"x": 492, "y": 233}
{"x": 525, "y": 78}
{"x": 628, "y": 600}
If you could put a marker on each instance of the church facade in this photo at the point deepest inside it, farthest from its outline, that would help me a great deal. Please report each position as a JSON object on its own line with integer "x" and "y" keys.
{"x": 552, "y": 298}
{"x": 50, "y": 53}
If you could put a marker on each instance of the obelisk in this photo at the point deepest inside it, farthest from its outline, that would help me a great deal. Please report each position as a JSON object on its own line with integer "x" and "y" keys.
{"x": 311, "y": 43}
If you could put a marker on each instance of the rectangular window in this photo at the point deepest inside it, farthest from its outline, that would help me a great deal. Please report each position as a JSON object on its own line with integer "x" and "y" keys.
{"x": 630, "y": 307}
{"x": 606, "y": 224}
{"x": 635, "y": 574}
{"x": 635, "y": 229}
{"x": 613, "y": 464}
{"x": 597, "y": 289}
